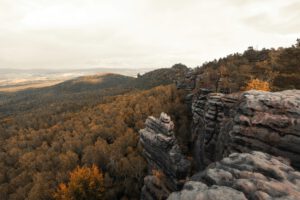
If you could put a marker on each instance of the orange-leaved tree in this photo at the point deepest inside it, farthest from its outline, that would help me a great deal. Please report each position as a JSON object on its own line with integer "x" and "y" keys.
{"x": 256, "y": 84}
{"x": 158, "y": 174}
{"x": 86, "y": 183}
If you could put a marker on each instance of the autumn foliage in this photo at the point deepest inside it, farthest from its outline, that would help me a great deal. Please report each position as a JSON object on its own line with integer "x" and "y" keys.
{"x": 45, "y": 134}
{"x": 42, "y": 148}
{"x": 280, "y": 67}
{"x": 85, "y": 184}
{"x": 256, "y": 84}
{"x": 158, "y": 174}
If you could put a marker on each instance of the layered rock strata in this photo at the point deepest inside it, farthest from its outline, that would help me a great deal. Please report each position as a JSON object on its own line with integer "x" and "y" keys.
{"x": 242, "y": 176}
{"x": 226, "y": 129}
{"x": 242, "y": 122}
{"x": 207, "y": 117}
{"x": 167, "y": 167}
{"x": 188, "y": 82}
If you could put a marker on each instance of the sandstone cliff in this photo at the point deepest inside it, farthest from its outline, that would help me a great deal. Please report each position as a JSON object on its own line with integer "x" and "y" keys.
{"x": 242, "y": 122}
{"x": 245, "y": 146}
{"x": 167, "y": 167}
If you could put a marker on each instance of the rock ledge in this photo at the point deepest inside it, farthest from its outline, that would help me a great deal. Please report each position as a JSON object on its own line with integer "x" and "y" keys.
{"x": 241, "y": 176}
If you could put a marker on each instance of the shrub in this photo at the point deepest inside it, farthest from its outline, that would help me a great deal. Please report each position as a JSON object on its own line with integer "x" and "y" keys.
{"x": 85, "y": 184}
{"x": 256, "y": 84}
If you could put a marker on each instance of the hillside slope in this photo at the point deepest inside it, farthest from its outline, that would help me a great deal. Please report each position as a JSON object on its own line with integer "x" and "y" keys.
{"x": 278, "y": 67}
{"x": 83, "y": 91}
{"x": 38, "y": 150}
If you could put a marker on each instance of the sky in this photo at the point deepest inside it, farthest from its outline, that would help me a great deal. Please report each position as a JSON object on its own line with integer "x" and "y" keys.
{"x": 66, "y": 34}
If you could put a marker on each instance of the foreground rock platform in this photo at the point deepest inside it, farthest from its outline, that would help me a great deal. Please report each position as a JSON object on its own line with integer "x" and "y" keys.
{"x": 243, "y": 176}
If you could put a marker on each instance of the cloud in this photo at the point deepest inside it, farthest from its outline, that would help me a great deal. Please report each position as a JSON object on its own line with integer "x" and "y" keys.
{"x": 138, "y": 33}
{"x": 283, "y": 18}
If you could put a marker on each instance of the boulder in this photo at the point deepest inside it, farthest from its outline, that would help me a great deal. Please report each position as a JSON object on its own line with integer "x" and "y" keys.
{"x": 241, "y": 176}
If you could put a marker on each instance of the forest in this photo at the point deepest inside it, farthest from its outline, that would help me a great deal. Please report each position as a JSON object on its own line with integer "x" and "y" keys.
{"x": 38, "y": 154}
{"x": 79, "y": 140}
{"x": 280, "y": 68}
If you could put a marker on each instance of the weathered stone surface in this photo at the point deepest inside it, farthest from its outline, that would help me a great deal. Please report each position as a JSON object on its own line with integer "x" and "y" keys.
{"x": 163, "y": 154}
{"x": 254, "y": 176}
{"x": 188, "y": 82}
{"x": 229, "y": 125}
{"x": 242, "y": 122}
{"x": 193, "y": 190}
{"x": 207, "y": 111}
{"x": 154, "y": 188}
{"x": 163, "y": 125}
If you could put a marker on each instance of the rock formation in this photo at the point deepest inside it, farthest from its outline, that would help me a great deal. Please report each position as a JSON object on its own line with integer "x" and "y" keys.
{"x": 241, "y": 176}
{"x": 242, "y": 122}
{"x": 167, "y": 167}
{"x": 207, "y": 116}
{"x": 245, "y": 146}
{"x": 188, "y": 82}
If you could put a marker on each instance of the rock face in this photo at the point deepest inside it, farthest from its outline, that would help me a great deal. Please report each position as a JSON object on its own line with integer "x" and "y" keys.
{"x": 188, "y": 82}
{"x": 241, "y": 176}
{"x": 242, "y": 122}
{"x": 167, "y": 167}
{"x": 269, "y": 122}
{"x": 207, "y": 117}
{"x": 239, "y": 142}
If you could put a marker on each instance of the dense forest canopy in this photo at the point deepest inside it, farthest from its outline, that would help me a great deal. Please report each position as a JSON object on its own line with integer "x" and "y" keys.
{"x": 38, "y": 154}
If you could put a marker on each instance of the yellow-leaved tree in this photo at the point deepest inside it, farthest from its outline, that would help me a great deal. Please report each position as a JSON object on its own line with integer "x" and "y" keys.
{"x": 256, "y": 84}
{"x": 86, "y": 183}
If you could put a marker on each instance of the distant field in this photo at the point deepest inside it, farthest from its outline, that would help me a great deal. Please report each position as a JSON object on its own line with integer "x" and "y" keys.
{"x": 15, "y": 88}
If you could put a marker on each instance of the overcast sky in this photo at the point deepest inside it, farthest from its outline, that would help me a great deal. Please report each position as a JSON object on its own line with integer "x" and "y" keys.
{"x": 139, "y": 33}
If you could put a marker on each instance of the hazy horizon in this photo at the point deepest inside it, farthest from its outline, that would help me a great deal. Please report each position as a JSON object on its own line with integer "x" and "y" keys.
{"x": 79, "y": 68}
{"x": 145, "y": 34}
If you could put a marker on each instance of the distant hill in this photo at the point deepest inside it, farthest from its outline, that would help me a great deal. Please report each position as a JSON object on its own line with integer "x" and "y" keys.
{"x": 162, "y": 76}
{"x": 13, "y": 80}
{"x": 91, "y": 83}
{"x": 86, "y": 90}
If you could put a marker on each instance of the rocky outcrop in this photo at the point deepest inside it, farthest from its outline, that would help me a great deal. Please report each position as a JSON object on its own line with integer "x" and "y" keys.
{"x": 239, "y": 143}
{"x": 241, "y": 176}
{"x": 188, "y": 82}
{"x": 207, "y": 117}
{"x": 167, "y": 167}
{"x": 242, "y": 122}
